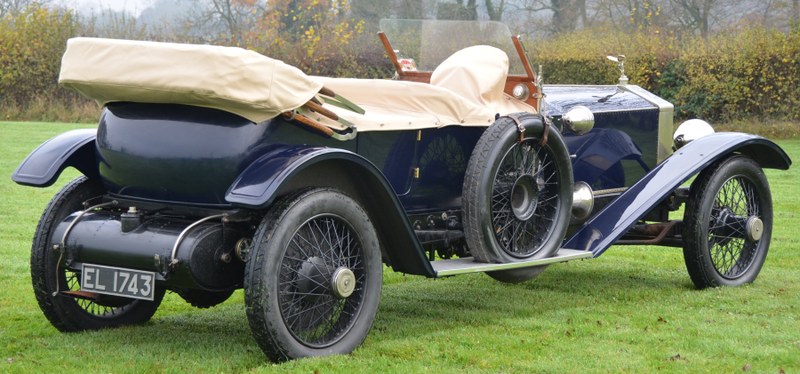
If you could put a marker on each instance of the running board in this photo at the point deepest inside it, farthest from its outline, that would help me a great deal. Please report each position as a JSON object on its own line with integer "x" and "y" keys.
{"x": 467, "y": 265}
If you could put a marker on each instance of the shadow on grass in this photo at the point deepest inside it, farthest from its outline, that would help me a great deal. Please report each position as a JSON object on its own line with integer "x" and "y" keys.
{"x": 411, "y": 309}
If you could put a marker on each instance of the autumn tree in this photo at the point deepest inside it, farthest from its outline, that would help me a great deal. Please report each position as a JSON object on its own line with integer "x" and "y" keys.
{"x": 31, "y": 44}
{"x": 310, "y": 34}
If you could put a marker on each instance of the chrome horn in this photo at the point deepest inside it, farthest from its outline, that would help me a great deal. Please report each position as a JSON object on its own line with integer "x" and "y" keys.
{"x": 582, "y": 201}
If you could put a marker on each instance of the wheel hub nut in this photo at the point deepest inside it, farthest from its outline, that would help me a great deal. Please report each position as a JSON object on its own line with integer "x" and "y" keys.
{"x": 754, "y": 228}
{"x": 343, "y": 282}
{"x": 523, "y": 197}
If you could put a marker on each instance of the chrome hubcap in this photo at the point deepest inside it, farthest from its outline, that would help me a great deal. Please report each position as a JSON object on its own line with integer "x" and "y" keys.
{"x": 343, "y": 282}
{"x": 754, "y": 228}
{"x": 523, "y": 197}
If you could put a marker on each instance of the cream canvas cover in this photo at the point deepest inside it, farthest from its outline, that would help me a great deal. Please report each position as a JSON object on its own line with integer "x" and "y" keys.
{"x": 478, "y": 73}
{"x": 466, "y": 90}
{"x": 236, "y": 80}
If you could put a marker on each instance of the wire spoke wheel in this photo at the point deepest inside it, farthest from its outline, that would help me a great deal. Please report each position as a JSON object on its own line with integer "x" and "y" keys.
{"x": 52, "y": 279}
{"x": 524, "y": 199}
{"x": 102, "y": 307}
{"x": 313, "y": 277}
{"x": 517, "y": 196}
{"x": 728, "y": 223}
{"x": 313, "y": 309}
{"x": 731, "y": 252}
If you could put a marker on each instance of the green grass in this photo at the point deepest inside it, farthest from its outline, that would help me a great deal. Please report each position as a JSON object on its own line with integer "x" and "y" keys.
{"x": 631, "y": 310}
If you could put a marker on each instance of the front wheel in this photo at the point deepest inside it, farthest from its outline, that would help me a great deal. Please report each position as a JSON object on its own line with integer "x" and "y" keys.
{"x": 49, "y": 275}
{"x": 313, "y": 277}
{"x": 728, "y": 224}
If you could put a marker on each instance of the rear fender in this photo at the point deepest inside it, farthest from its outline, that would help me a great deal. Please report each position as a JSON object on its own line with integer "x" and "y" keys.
{"x": 288, "y": 168}
{"x": 604, "y": 228}
{"x": 43, "y": 166}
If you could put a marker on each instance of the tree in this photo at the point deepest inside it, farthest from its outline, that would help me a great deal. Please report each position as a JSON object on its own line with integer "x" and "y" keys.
{"x": 227, "y": 20}
{"x": 14, "y": 7}
{"x": 32, "y": 41}
{"x": 695, "y": 14}
{"x": 457, "y": 10}
{"x": 411, "y": 9}
{"x": 372, "y": 11}
{"x": 496, "y": 11}
{"x": 563, "y": 15}
{"x": 566, "y": 14}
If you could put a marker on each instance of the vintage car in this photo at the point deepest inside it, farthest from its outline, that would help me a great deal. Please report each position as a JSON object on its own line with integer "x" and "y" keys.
{"x": 214, "y": 169}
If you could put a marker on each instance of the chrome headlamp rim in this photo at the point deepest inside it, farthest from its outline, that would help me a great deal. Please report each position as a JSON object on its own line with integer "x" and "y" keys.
{"x": 690, "y": 130}
{"x": 579, "y": 119}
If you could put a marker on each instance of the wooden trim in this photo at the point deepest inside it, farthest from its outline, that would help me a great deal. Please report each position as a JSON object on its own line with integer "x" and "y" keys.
{"x": 425, "y": 76}
{"x": 327, "y": 92}
{"x": 310, "y": 123}
{"x": 416, "y": 76}
{"x": 523, "y": 57}
{"x": 513, "y": 80}
{"x": 324, "y": 111}
{"x": 390, "y": 51}
{"x": 535, "y": 96}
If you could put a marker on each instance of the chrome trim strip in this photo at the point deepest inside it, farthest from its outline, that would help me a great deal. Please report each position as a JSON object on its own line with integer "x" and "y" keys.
{"x": 174, "y": 261}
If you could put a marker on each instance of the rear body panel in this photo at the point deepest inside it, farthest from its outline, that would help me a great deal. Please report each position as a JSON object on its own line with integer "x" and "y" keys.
{"x": 181, "y": 154}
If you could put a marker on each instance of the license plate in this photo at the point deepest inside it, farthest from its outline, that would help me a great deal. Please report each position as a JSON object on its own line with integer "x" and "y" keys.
{"x": 109, "y": 280}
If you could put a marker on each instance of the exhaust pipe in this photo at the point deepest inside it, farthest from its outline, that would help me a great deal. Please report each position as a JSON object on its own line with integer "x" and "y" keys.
{"x": 102, "y": 238}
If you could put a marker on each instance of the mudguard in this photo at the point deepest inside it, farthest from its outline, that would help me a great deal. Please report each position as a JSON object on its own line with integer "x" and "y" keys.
{"x": 287, "y": 168}
{"x": 613, "y": 221}
{"x": 74, "y": 148}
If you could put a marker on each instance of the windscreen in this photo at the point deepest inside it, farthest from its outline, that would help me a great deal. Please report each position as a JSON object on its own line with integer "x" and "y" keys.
{"x": 429, "y": 42}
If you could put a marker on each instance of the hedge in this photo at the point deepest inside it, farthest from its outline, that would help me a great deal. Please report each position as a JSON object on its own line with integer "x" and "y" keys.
{"x": 744, "y": 73}
{"x": 31, "y": 45}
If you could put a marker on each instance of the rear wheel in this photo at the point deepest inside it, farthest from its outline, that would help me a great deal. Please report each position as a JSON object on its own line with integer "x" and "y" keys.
{"x": 517, "y": 196}
{"x": 313, "y": 276}
{"x": 728, "y": 224}
{"x": 49, "y": 275}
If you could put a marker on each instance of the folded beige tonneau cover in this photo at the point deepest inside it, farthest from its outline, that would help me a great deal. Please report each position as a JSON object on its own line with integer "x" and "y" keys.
{"x": 232, "y": 79}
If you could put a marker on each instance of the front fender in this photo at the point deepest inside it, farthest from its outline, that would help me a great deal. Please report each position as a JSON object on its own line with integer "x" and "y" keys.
{"x": 613, "y": 221}
{"x": 287, "y": 168}
{"x": 74, "y": 148}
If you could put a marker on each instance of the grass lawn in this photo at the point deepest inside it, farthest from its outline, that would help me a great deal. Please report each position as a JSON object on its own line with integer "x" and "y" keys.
{"x": 632, "y": 310}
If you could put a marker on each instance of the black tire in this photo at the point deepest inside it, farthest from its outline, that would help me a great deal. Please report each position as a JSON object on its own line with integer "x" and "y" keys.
{"x": 305, "y": 240}
{"x": 722, "y": 244}
{"x": 67, "y": 313}
{"x": 517, "y": 275}
{"x": 517, "y": 196}
{"x": 203, "y": 299}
